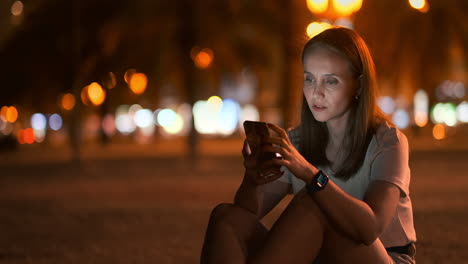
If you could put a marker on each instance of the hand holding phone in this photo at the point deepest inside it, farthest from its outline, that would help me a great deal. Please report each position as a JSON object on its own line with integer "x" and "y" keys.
{"x": 256, "y": 132}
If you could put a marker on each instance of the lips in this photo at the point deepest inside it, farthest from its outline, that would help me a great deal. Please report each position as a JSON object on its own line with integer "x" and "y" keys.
{"x": 318, "y": 108}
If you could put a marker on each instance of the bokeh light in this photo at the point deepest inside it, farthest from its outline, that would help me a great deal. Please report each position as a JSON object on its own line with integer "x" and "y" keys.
{"x": 55, "y": 122}
{"x": 346, "y": 7}
{"x": 344, "y": 22}
{"x": 108, "y": 125}
{"x": 444, "y": 113}
{"x": 204, "y": 58}
{"x": 25, "y": 136}
{"x": 17, "y": 8}
{"x": 39, "y": 135}
{"x": 420, "y": 5}
{"x": 229, "y": 117}
{"x": 316, "y": 28}
{"x": 96, "y": 94}
{"x": 38, "y": 121}
{"x": 143, "y": 118}
{"x": 11, "y": 114}
{"x": 68, "y": 101}
{"x": 138, "y": 83}
{"x": 124, "y": 124}
{"x": 387, "y": 104}
{"x": 3, "y": 112}
{"x": 438, "y": 131}
{"x": 111, "y": 81}
{"x": 166, "y": 117}
{"x": 214, "y": 103}
{"x": 462, "y": 112}
{"x": 421, "y": 108}
{"x": 176, "y": 126}
{"x": 401, "y": 118}
{"x": 248, "y": 112}
{"x": 128, "y": 75}
{"x": 317, "y": 6}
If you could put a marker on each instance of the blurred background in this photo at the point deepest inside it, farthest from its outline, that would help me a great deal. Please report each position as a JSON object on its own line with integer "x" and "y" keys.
{"x": 115, "y": 113}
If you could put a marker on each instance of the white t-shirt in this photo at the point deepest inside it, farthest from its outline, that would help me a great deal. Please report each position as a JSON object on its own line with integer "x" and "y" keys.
{"x": 386, "y": 160}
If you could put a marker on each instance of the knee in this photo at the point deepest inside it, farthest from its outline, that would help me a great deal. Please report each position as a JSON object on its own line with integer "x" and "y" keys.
{"x": 227, "y": 213}
{"x": 221, "y": 212}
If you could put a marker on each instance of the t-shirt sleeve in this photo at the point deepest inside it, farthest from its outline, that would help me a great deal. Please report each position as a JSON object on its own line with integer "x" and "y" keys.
{"x": 391, "y": 163}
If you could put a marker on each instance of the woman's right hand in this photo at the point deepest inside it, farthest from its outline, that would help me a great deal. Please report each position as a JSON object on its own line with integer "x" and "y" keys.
{"x": 258, "y": 173}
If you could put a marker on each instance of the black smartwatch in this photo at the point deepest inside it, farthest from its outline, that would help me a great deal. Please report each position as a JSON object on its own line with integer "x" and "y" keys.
{"x": 319, "y": 182}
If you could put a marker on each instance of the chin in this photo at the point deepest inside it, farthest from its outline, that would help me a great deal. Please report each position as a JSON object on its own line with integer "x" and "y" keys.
{"x": 320, "y": 117}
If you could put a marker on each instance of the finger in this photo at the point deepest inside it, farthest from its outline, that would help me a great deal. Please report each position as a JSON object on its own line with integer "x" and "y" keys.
{"x": 278, "y": 141}
{"x": 246, "y": 149}
{"x": 280, "y": 131}
{"x": 250, "y": 162}
{"x": 276, "y": 149}
{"x": 274, "y": 163}
{"x": 269, "y": 178}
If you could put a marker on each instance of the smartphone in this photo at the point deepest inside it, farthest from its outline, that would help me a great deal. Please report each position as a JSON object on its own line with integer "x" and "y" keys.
{"x": 255, "y": 132}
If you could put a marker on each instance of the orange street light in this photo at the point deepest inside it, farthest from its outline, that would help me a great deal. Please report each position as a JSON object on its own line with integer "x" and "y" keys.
{"x": 317, "y": 6}
{"x": 138, "y": 83}
{"x": 316, "y": 28}
{"x": 11, "y": 114}
{"x": 420, "y": 5}
{"x": 334, "y": 8}
{"x": 204, "y": 58}
{"x": 67, "y": 101}
{"x": 96, "y": 94}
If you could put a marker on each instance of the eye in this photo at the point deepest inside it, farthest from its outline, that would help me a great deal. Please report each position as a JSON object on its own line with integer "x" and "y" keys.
{"x": 332, "y": 81}
{"x": 308, "y": 79}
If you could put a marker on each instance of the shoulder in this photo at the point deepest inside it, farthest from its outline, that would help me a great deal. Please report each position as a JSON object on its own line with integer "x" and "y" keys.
{"x": 388, "y": 136}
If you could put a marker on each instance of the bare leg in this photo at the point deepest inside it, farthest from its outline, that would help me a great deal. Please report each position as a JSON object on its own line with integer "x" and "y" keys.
{"x": 300, "y": 235}
{"x": 232, "y": 235}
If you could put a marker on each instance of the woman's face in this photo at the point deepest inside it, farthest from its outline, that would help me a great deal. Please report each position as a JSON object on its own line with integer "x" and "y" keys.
{"x": 328, "y": 85}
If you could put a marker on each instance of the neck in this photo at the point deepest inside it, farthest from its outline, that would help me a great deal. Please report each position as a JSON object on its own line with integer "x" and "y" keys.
{"x": 337, "y": 130}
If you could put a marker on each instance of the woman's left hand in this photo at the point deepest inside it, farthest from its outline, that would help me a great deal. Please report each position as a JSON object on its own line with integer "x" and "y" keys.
{"x": 291, "y": 158}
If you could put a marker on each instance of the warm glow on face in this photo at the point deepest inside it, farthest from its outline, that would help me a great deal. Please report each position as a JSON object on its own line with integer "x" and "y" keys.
{"x": 346, "y": 7}
{"x": 317, "y": 6}
{"x": 96, "y": 94}
{"x": 68, "y": 101}
{"x": 316, "y": 28}
{"x": 438, "y": 131}
{"x": 11, "y": 114}
{"x": 138, "y": 83}
{"x": 204, "y": 58}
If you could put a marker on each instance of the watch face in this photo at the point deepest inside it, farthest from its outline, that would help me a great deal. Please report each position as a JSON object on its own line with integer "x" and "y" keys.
{"x": 322, "y": 179}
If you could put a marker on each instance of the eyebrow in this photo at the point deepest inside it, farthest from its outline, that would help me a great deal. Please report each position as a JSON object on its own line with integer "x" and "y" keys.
{"x": 328, "y": 74}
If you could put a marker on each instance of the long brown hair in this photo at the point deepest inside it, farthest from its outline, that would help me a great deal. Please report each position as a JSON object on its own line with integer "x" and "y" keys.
{"x": 364, "y": 113}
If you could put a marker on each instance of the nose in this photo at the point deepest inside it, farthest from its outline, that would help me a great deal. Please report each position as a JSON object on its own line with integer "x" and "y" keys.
{"x": 318, "y": 91}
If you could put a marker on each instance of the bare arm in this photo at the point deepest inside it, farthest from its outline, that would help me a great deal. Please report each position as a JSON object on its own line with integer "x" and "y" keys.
{"x": 361, "y": 221}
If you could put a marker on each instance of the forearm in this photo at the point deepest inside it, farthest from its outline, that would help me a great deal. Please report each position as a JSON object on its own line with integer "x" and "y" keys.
{"x": 351, "y": 216}
{"x": 247, "y": 197}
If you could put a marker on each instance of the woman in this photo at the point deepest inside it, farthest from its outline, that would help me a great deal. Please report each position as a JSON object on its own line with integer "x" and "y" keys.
{"x": 345, "y": 163}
